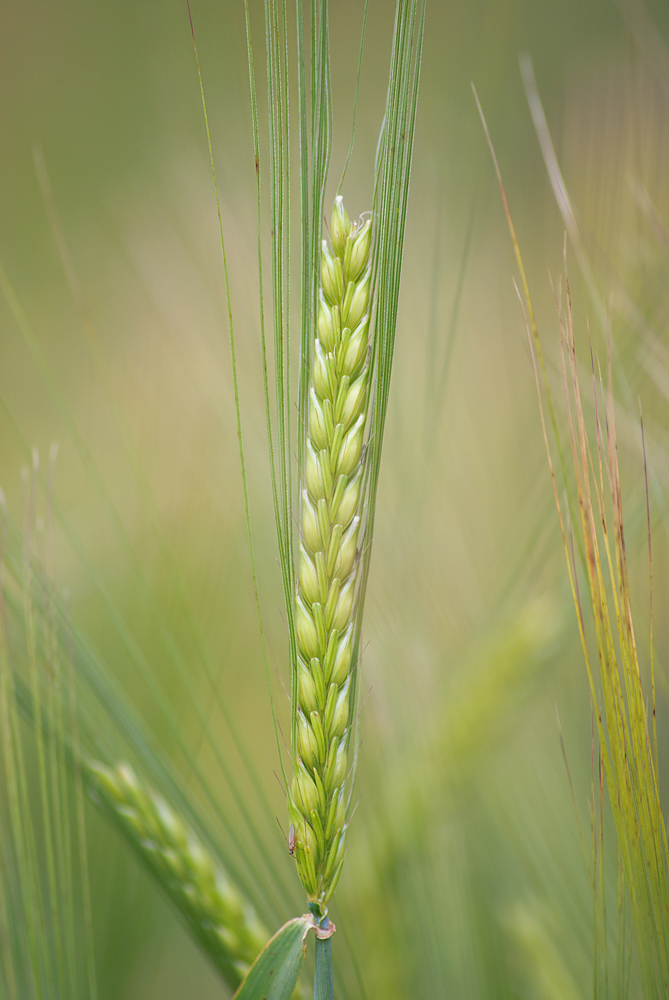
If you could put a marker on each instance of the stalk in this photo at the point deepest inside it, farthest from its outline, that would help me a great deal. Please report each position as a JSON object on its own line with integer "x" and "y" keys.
{"x": 324, "y": 979}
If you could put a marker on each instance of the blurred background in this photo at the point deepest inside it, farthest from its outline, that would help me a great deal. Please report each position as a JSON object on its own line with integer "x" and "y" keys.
{"x": 465, "y": 874}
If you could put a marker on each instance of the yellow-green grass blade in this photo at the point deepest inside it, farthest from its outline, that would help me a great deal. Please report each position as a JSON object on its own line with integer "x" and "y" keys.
{"x": 628, "y": 760}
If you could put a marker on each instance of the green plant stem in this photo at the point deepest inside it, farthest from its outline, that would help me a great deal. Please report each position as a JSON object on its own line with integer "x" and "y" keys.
{"x": 323, "y": 983}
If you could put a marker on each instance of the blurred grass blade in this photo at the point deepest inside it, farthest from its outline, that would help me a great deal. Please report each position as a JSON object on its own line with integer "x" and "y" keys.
{"x": 45, "y": 915}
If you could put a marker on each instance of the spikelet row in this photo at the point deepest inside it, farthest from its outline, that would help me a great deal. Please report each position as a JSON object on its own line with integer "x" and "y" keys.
{"x": 330, "y": 522}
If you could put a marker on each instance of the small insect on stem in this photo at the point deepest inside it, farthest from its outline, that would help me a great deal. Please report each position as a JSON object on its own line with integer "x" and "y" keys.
{"x": 291, "y": 839}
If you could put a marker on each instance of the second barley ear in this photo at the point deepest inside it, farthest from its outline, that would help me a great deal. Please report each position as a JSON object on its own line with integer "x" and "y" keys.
{"x": 213, "y": 907}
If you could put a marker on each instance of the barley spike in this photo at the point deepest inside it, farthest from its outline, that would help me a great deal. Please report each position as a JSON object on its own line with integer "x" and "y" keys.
{"x": 224, "y": 923}
{"x": 330, "y": 522}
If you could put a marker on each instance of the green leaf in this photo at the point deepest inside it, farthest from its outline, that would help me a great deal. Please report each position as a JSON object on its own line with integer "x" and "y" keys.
{"x": 273, "y": 975}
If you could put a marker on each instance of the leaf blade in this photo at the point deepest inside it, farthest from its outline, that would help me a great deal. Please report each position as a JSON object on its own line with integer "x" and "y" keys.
{"x": 273, "y": 975}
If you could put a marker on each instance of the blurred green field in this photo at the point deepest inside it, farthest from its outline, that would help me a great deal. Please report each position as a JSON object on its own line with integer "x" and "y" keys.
{"x": 465, "y": 874}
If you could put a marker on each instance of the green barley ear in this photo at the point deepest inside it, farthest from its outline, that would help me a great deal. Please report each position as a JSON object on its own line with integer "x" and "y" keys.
{"x": 220, "y": 919}
{"x": 327, "y": 596}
